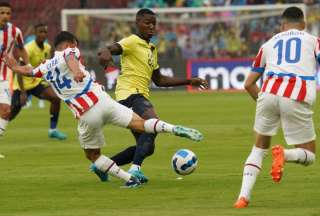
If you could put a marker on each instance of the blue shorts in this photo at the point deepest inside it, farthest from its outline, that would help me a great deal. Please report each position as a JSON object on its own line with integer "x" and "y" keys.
{"x": 138, "y": 103}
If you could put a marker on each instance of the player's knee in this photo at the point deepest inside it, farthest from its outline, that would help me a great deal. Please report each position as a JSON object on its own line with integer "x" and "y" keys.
{"x": 5, "y": 112}
{"x": 310, "y": 158}
{"x": 136, "y": 123}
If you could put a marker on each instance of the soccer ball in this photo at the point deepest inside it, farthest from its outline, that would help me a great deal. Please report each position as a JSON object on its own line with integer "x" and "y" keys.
{"x": 184, "y": 162}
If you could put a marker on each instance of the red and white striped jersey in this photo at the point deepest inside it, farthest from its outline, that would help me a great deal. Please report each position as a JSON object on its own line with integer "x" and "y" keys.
{"x": 79, "y": 96}
{"x": 10, "y": 36}
{"x": 289, "y": 60}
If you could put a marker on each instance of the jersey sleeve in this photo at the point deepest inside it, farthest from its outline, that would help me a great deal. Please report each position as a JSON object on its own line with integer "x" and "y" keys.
{"x": 317, "y": 50}
{"x": 126, "y": 44}
{"x": 19, "y": 37}
{"x": 72, "y": 51}
{"x": 259, "y": 62}
{"x": 41, "y": 70}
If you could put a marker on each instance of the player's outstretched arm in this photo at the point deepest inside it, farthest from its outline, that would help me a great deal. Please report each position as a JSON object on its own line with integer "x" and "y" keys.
{"x": 73, "y": 65}
{"x": 22, "y": 53}
{"x": 165, "y": 81}
{"x": 105, "y": 54}
{"x": 13, "y": 65}
{"x": 251, "y": 86}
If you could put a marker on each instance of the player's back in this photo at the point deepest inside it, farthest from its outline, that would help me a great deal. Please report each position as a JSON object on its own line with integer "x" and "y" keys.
{"x": 79, "y": 96}
{"x": 292, "y": 51}
{"x": 289, "y": 60}
{"x": 60, "y": 76}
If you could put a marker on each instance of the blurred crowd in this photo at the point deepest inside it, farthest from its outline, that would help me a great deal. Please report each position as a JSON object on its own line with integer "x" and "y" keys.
{"x": 226, "y": 38}
{"x": 206, "y": 3}
{"x": 221, "y": 35}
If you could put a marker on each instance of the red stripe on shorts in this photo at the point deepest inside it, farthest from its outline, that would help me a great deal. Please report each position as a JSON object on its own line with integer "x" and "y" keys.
{"x": 82, "y": 103}
{"x": 290, "y": 86}
{"x": 303, "y": 91}
{"x": 276, "y": 85}
{"x": 92, "y": 97}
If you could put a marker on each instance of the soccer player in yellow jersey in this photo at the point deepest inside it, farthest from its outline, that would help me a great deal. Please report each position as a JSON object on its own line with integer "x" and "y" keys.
{"x": 38, "y": 51}
{"x": 139, "y": 66}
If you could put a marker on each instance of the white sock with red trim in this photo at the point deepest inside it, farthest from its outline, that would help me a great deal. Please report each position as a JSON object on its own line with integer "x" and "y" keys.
{"x": 3, "y": 125}
{"x": 251, "y": 170}
{"x": 105, "y": 164}
{"x": 299, "y": 155}
{"x": 157, "y": 126}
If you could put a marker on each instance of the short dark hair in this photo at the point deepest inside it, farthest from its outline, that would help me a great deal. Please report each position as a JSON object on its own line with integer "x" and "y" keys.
{"x": 40, "y": 25}
{"x": 144, "y": 11}
{"x": 293, "y": 14}
{"x": 64, "y": 36}
{"x": 5, "y": 4}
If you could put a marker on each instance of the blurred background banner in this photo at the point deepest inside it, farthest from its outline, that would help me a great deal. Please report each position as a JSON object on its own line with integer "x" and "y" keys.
{"x": 222, "y": 74}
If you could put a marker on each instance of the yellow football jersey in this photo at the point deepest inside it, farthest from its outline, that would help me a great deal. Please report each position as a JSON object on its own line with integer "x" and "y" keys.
{"x": 36, "y": 56}
{"x": 138, "y": 60}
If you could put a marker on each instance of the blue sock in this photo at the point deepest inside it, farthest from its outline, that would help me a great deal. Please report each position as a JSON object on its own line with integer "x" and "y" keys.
{"x": 54, "y": 120}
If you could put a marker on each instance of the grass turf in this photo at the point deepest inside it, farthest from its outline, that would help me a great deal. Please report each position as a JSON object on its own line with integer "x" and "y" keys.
{"x": 42, "y": 177}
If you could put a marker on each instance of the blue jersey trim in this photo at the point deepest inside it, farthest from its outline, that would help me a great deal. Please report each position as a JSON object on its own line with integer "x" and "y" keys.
{"x": 271, "y": 73}
{"x": 258, "y": 69}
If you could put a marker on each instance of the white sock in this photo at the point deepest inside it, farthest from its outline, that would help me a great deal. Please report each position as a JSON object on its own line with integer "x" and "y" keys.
{"x": 251, "y": 170}
{"x": 52, "y": 130}
{"x": 134, "y": 167}
{"x": 105, "y": 164}
{"x": 157, "y": 126}
{"x": 3, "y": 125}
{"x": 299, "y": 155}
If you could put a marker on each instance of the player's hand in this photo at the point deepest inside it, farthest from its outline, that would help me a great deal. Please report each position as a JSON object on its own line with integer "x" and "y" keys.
{"x": 78, "y": 77}
{"x": 198, "y": 82}
{"x": 23, "y": 98}
{"x": 104, "y": 56}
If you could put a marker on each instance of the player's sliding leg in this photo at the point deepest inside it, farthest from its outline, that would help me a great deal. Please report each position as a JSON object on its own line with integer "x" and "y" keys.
{"x": 252, "y": 168}
{"x": 105, "y": 165}
{"x": 48, "y": 94}
{"x": 144, "y": 148}
{"x": 145, "y": 142}
{"x": 303, "y": 154}
{"x": 158, "y": 126}
{"x": 124, "y": 157}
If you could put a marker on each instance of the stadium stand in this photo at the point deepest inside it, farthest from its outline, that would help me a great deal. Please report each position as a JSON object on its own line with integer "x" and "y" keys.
{"x": 220, "y": 39}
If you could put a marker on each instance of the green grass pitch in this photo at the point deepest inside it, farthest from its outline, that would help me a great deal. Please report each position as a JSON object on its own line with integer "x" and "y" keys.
{"x": 43, "y": 177}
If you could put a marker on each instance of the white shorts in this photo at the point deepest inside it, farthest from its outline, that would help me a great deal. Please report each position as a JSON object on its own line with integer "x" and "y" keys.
{"x": 5, "y": 96}
{"x": 106, "y": 110}
{"x": 295, "y": 117}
